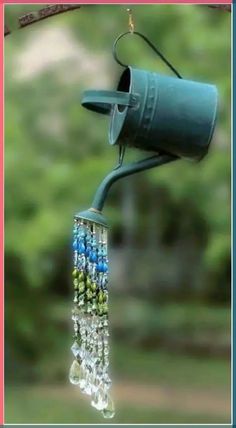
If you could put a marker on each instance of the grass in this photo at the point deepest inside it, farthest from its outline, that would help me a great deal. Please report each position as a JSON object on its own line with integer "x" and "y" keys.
{"x": 27, "y": 404}
{"x": 179, "y": 375}
{"x": 163, "y": 386}
{"x": 163, "y": 367}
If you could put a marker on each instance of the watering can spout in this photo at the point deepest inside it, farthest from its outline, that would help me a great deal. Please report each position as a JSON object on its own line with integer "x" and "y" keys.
{"x": 94, "y": 214}
{"x": 124, "y": 171}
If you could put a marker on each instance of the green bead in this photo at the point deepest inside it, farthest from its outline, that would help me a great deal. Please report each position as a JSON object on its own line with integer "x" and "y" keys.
{"x": 89, "y": 294}
{"x": 105, "y": 297}
{"x": 75, "y": 273}
{"x": 100, "y": 309}
{"x": 93, "y": 286}
{"x": 88, "y": 282}
{"x": 94, "y": 306}
{"x": 76, "y": 283}
{"x": 81, "y": 276}
{"x": 81, "y": 287}
{"x": 105, "y": 308}
{"x": 100, "y": 297}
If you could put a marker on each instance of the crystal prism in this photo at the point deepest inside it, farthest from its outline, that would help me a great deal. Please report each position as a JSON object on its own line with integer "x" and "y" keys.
{"x": 109, "y": 411}
{"x": 74, "y": 374}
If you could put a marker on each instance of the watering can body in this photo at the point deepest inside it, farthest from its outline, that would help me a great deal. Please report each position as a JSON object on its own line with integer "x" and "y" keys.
{"x": 158, "y": 113}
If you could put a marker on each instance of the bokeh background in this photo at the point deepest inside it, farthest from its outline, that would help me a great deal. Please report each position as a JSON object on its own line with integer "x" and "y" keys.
{"x": 170, "y": 227}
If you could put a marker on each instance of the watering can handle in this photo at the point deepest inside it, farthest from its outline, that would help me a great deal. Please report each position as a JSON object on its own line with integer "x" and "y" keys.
{"x": 102, "y": 101}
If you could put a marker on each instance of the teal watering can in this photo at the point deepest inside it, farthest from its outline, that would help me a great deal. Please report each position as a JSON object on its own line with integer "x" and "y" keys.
{"x": 170, "y": 116}
{"x": 158, "y": 113}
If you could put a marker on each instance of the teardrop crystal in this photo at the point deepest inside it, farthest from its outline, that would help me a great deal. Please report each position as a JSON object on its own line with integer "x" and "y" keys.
{"x": 82, "y": 378}
{"x": 109, "y": 411}
{"x": 74, "y": 375}
{"x": 99, "y": 400}
{"x": 88, "y": 385}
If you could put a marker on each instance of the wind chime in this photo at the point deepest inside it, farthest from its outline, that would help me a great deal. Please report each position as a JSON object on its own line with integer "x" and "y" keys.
{"x": 170, "y": 116}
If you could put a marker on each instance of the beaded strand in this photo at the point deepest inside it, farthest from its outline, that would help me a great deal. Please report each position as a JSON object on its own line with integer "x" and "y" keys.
{"x": 89, "y": 369}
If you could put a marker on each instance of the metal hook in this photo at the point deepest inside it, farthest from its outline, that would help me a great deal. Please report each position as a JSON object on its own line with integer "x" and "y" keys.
{"x": 131, "y": 21}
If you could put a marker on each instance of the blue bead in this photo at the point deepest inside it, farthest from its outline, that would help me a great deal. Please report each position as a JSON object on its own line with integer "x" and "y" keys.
{"x": 100, "y": 267}
{"x": 105, "y": 267}
{"x": 81, "y": 248}
{"x": 100, "y": 253}
{"x": 75, "y": 245}
{"x": 93, "y": 257}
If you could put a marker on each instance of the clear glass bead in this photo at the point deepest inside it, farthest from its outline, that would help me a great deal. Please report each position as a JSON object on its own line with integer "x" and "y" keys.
{"x": 75, "y": 349}
{"x": 109, "y": 411}
{"x": 75, "y": 318}
{"x": 74, "y": 374}
{"x": 82, "y": 331}
{"x": 107, "y": 381}
{"x": 106, "y": 350}
{"x": 105, "y": 323}
{"x": 106, "y": 361}
{"x": 82, "y": 378}
{"x": 88, "y": 384}
{"x": 100, "y": 399}
{"x": 105, "y": 340}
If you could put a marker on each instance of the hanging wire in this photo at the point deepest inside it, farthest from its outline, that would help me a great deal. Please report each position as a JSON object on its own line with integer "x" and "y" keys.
{"x": 150, "y": 44}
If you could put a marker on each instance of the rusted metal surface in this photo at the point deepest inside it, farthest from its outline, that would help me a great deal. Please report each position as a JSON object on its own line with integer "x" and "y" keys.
{"x": 46, "y": 12}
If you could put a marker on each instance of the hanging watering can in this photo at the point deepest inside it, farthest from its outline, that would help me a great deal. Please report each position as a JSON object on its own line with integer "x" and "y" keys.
{"x": 170, "y": 116}
{"x": 158, "y": 113}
